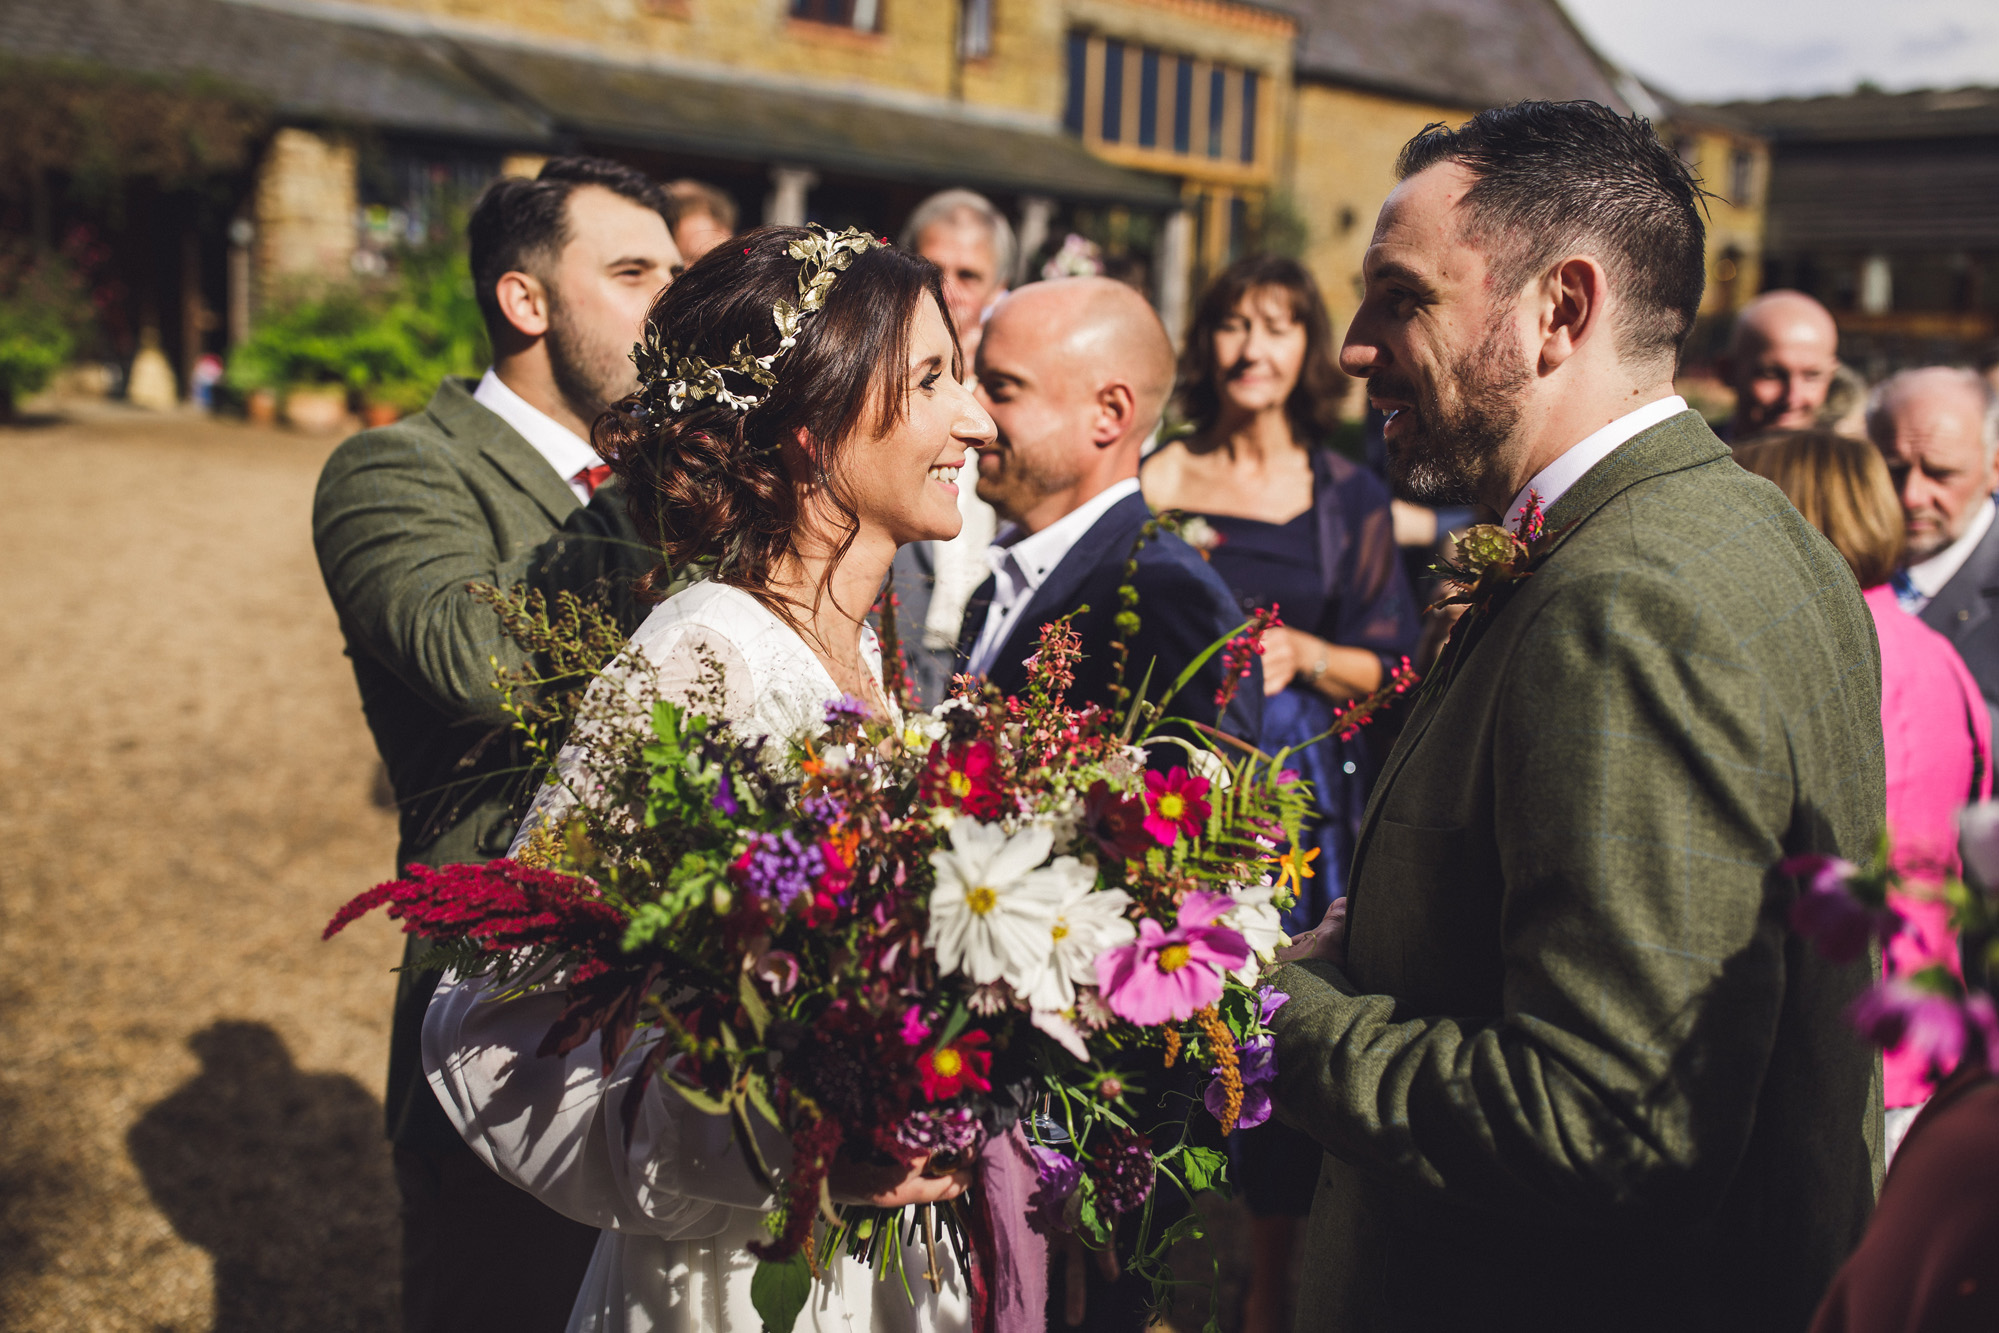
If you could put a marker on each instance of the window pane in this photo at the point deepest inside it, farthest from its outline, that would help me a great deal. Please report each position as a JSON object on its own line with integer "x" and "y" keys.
{"x": 1217, "y": 95}
{"x": 1079, "y": 76}
{"x": 864, "y": 14}
{"x": 1249, "y": 116}
{"x": 1183, "y": 105}
{"x": 975, "y": 29}
{"x": 1148, "y": 98}
{"x": 1113, "y": 91}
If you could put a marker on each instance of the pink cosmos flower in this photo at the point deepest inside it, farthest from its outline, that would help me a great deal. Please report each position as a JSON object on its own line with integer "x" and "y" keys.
{"x": 1165, "y": 975}
{"x": 1830, "y": 915}
{"x": 1176, "y": 803}
{"x": 1902, "y": 1015}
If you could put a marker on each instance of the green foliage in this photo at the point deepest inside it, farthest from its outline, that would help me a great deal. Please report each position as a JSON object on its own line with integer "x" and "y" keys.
{"x": 391, "y": 340}
{"x": 44, "y": 312}
{"x": 779, "y": 1292}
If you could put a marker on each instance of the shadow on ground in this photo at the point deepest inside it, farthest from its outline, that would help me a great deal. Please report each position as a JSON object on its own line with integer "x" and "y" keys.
{"x": 283, "y": 1177}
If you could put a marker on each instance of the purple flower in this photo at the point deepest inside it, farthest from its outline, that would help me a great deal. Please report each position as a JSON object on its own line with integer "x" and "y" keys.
{"x": 847, "y": 711}
{"x": 1827, "y": 912}
{"x": 824, "y": 808}
{"x": 1056, "y": 1175}
{"x": 725, "y": 798}
{"x": 781, "y": 868}
{"x": 1123, "y": 1171}
{"x": 1917, "y": 1018}
{"x": 1256, "y": 1062}
{"x": 950, "y": 1130}
{"x": 1269, "y": 1001}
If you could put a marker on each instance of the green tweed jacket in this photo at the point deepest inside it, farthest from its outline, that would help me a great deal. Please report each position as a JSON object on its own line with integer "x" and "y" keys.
{"x": 404, "y": 518}
{"x": 1577, "y": 1073}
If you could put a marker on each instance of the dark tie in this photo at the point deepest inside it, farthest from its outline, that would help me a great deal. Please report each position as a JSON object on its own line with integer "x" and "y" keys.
{"x": 590, "y": 478}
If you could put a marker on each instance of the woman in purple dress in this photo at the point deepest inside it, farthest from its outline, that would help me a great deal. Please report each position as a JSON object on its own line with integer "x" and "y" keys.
{"x": 1287, "y": 522}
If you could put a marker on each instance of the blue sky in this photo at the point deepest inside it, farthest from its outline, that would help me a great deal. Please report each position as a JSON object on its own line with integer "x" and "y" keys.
{"x": 1710, "y": 50}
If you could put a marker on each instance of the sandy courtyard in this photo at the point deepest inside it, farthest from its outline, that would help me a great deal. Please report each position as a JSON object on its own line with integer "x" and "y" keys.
{"x": 191, "y": 1089}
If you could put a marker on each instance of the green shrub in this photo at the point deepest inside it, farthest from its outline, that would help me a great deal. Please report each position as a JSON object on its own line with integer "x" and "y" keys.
{"x": 44, "y": 313}
{"x": 390, "y": 340}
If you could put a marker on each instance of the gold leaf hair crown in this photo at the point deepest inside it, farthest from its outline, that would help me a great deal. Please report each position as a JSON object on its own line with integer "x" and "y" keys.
{"x": 671, "y": 379}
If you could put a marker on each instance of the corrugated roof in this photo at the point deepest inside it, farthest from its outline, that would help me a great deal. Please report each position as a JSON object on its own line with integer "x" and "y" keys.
{"x": 1458, "y": 52}
{"x": 304, "y": 67}
{"x": 406, "y": 76}
{"x": 1859, "y": 117}
{"x": 748, "y": 118}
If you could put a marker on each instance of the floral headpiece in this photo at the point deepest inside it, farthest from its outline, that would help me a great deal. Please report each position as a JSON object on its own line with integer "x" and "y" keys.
{"x": 669, "y": 380}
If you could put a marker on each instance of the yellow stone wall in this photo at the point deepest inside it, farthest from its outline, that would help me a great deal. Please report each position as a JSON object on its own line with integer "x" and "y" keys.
{"x": 1341, "y": 167}
{"x": 1735, "y": 216}
{"x": 303, "y": 207}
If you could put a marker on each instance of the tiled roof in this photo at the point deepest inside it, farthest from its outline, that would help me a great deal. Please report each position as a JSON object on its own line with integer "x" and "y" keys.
{"x": 1855, "y": 117}
{"x": 1468, "y": 53}
{"x": 303, "y": 67}
{"x": 314, "y": 64}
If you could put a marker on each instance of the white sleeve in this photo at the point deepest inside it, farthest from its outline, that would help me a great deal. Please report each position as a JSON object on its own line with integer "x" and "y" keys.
{"x": 554, "y": 1125}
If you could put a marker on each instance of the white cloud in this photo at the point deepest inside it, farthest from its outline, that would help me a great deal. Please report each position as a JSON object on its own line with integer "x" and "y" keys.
{"x": 1719, "y": 49}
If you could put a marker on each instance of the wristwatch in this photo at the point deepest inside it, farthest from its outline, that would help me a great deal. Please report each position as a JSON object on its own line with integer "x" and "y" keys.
{"x": 1318, "y": 670}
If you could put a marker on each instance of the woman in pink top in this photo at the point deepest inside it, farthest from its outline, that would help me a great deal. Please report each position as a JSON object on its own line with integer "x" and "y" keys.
{"x": 1933, "y": 720}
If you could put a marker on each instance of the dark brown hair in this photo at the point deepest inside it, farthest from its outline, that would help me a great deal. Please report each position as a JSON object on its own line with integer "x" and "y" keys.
{"x": 1842, "y": 488}
{"x": 518, "y": 222}
{"x": 1314, "y": 405}
{"x": 1552, "y": 177}
{"x": 715, "y": 485}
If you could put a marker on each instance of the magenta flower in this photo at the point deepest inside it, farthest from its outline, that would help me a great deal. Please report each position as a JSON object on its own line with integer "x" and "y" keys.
{"x": 1165, "y": 975}
{"x": 1056, "y": 1175}
{"x": 1176, "y": 803}
{"x": 1905, "y": 1015}
{"x": 1829, "y": 914}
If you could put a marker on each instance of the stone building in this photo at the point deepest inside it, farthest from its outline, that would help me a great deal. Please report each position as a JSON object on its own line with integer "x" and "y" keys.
{"x": 1885, "y": 206}
{"x": 1177, "y": 134}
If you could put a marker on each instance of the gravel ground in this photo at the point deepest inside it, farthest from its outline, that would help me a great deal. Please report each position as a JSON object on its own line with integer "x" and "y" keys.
{"x": 191, "y": 1089}
{"x": 190, "y": 1103}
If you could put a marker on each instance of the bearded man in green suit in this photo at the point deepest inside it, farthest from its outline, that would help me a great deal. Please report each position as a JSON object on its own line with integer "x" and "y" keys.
{"x": 1570, "y": 1069}
{"x": 495, "y": 483}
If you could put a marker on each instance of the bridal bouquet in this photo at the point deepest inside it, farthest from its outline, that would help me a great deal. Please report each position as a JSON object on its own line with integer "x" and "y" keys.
{"x": 896, "y": 940}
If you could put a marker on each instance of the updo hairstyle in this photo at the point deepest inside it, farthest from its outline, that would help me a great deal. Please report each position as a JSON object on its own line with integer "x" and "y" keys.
{"x": 712, "y": 484}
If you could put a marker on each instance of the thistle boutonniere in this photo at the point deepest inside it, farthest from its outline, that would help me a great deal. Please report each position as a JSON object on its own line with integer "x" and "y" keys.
{"x": 1490, "y": 557}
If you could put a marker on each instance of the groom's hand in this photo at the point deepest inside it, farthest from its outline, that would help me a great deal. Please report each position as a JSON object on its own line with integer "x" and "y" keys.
{"x": 1327, "y": 940}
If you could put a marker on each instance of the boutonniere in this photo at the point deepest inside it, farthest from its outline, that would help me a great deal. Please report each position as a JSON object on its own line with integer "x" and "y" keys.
{"x": 1491, "y": 558}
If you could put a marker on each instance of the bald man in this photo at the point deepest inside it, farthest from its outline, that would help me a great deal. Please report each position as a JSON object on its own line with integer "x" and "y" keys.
{"x": 1938, "y": 429}
{"x": 1076, "y": 373}
{"x": 1780, "y": 361}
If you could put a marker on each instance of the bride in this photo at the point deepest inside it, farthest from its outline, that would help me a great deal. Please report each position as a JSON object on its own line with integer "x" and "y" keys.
{"x": 791, "y": 461}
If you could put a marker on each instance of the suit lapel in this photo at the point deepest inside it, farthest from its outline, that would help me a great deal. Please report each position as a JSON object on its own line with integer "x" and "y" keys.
{"x": 1109, "y": 539}
{"x": 463, "y": 418}
{"x": 1963, "y": 604}
{"x": 1677, "y": 443}
{"x": 974, "y": 621}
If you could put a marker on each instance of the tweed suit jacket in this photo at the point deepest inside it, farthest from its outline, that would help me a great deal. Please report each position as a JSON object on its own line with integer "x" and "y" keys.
{"x": 1577, "y": 1073}
{"x": 404, "y": 518}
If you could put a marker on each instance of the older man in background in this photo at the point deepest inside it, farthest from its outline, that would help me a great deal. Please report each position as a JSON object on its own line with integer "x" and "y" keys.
{"x": 1938, "y": 428}
{"x": 972, "y": 243}
{"x": 1781, "y": 361}
{"x": 703, "y": 216}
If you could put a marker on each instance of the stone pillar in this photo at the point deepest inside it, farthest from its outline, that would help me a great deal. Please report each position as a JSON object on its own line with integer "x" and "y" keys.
{"x": 1035, "y": 214}
{"x": 784, "y": 206}
{"x": 1176, "y": 273}
{"x": 306, "y": 199}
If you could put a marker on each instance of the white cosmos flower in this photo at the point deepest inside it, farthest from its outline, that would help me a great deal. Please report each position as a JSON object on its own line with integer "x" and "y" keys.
{"x": 994, "y": 901}
{"x": 1086, "y": 923}
{"x": 1260, "y": 925}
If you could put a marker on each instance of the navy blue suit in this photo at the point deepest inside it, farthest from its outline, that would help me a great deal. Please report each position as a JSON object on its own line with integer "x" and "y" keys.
{"x": 1183, "y": 606}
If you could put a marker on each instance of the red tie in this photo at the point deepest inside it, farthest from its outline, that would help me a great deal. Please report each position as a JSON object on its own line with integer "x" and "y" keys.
{"x": 590, "y": 478}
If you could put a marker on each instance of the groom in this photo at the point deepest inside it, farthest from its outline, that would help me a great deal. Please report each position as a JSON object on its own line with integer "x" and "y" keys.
{"x": 1570, "y": 1068}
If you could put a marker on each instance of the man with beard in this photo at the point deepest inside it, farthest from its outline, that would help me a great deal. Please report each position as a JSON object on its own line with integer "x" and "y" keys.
{"x": 1570, "y": 1068}
{"x": 491, "y": 483}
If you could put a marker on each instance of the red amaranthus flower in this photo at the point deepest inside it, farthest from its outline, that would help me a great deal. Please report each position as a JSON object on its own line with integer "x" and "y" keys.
{"x": 963, "y": 776}
{"x": 1176, "y": 803}
{"x": 501, "y": 905}
{"x": 949, "y": 1070}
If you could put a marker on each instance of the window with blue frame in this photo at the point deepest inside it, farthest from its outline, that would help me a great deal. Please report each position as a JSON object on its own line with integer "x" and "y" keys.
{"x": 1130, "y": 94}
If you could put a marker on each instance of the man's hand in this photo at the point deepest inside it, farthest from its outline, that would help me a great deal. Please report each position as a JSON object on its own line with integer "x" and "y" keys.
{"x": 893, "y": 1186}
{"x": 1327, "y": 940}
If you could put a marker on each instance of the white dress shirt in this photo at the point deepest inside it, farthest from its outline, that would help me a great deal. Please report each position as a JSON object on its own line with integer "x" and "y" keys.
{"x": 1928, "y": 576}
{"x": 1553, "y": 481}
{"x": 1022, "y": 561}
{"x": 566, "y": 451}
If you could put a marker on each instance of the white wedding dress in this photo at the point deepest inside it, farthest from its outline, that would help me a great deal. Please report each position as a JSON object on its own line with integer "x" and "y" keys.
{"x": 677, "y": 1204}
